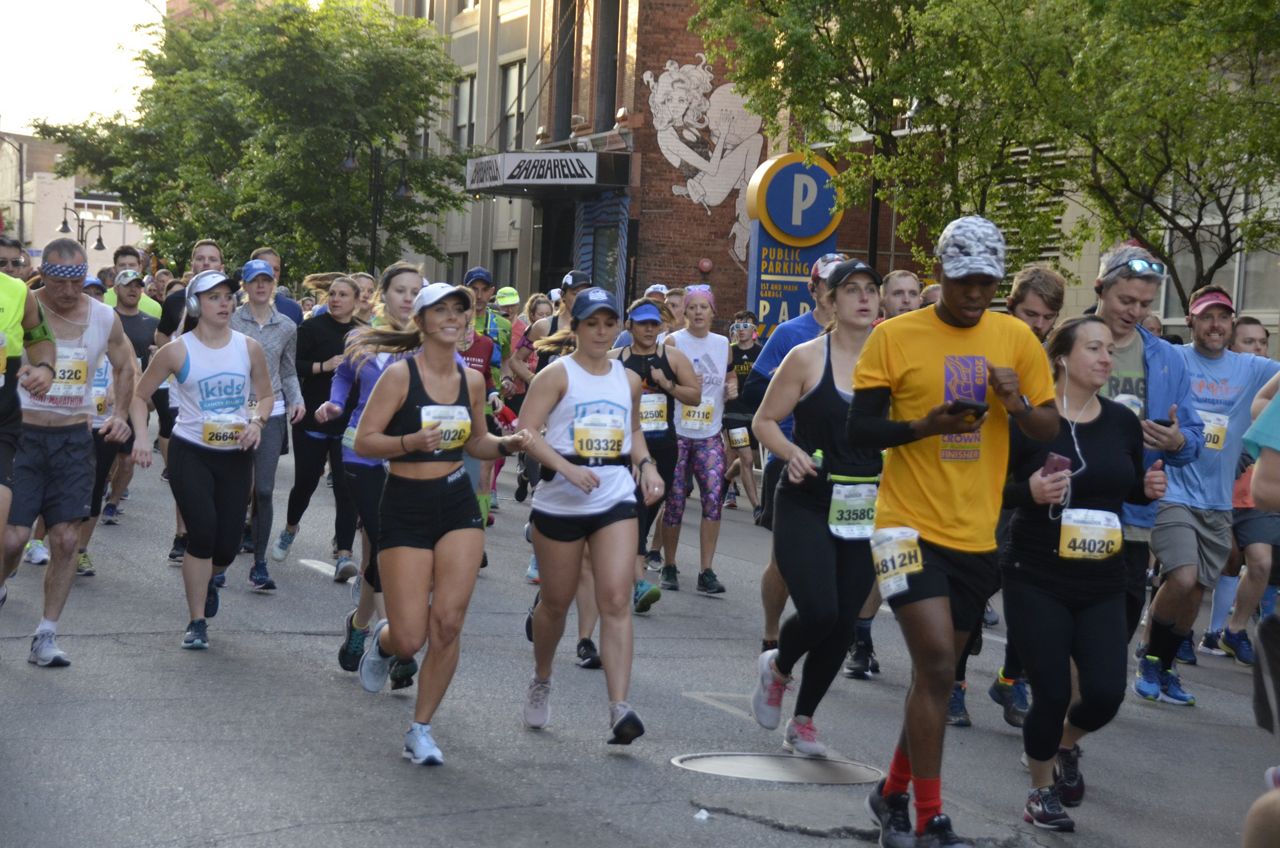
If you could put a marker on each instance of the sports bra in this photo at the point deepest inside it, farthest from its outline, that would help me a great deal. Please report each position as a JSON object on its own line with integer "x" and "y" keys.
{"x": 419, "y": 410}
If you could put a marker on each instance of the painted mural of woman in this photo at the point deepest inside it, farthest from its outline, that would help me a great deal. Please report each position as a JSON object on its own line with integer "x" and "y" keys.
{"x": 709, "y": 136}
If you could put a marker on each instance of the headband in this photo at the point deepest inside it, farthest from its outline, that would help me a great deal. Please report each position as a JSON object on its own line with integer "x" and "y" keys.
{"x": 69, "y": 272}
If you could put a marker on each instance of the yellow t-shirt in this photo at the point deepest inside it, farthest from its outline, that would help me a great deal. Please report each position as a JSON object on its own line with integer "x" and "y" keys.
{"x": 146, "y": 305}
{"x": 949, "y": 488}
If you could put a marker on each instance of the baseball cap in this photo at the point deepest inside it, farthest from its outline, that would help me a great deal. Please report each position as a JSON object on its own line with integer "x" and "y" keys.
{"x": 507, "y": 296}
{"x": 255, "y": 268}
{"x": 971, "y": 245}
{"x": 433, "y": 293}
{"x": 646, "y": 312}
{"x": 89, "y": 282}
{"x": 477, "y": 274}
{"x": 822, "y": 266}
{"x": 656, "y": 288}
{"x": 574, "y": 279}
{"x": 593, "y": 300}
{"x": 1200, "y": 304}
{"x": 124, "y": 278}
{"x": 849, "y": 267}
{"x": 206, "y": 280}
{"x": 555, "y": 295}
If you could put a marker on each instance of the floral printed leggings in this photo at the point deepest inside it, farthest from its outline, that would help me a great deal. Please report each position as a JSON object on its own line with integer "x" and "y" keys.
{"x": 703, "y": 459}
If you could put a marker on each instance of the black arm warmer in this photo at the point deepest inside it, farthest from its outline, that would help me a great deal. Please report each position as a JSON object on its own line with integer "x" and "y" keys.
{"x": 868, "y": 425}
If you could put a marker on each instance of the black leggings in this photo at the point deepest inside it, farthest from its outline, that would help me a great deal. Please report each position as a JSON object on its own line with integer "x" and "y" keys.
{"x": 829, "y": 580}
{"x": 309, "y": 457}
{"x": 664, "y": 454}
{"x": 211, "y": 489}
{"x": 106, "y": 457}
{"x": 1137, "y": 560}
{"x": 365, "y": 483}
{"x": 1012, "y": 667}
{"x": 1051, "y": 630}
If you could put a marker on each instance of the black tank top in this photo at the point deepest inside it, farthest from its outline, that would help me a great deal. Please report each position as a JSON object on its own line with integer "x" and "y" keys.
{"x": 546, "y": 357}
{"x": 820, "y": 425}
{"x": 408, "y": 418}
{"x": 644, "y": 366}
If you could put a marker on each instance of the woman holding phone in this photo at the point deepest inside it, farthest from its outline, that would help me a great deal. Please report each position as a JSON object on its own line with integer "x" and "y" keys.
{"x": 1064, "y": 576}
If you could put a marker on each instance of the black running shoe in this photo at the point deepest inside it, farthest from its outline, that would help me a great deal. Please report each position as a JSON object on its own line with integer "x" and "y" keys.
{"x": 402, "y": 672}
{"x": 522, "y": 488}
{"x": 938, "y": 834}
{"x": 709, "y": 584}
{"x": 179, "y": 549}
{"x": 352, "y": 644}
{"x": 197, "y": 636}
{"x": 1068, "y": 782}
{"x": 862, "y": 662}
{"x": 669, "y": 579}
{"x": 588, "y": 656}
{"x": 893, "y": 814}
{"x": 211, "y": 603}
{"x": 1044, "y": 810}
{"x": 653, "y": 560}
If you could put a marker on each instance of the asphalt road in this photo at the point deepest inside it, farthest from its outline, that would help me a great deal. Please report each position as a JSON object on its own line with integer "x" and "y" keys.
{"x": 264, "y": 741}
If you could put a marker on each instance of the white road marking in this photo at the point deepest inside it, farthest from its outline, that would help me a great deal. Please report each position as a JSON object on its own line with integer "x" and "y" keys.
{"x": 316, "y": 565}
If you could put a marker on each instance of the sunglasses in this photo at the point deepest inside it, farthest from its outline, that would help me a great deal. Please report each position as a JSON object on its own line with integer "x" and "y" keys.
{"x": 1139, "y": 267}
{"x": 11, "y": 263}
{"x": 741, "y": 327}
{"x": 700, "y": 287}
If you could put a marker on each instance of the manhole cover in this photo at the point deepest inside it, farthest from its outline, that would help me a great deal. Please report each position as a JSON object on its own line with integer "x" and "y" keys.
{"x": 780, "y": 768}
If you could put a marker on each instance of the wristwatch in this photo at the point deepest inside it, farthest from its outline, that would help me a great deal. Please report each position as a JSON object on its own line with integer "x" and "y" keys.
{"x": 1026, "y": 408}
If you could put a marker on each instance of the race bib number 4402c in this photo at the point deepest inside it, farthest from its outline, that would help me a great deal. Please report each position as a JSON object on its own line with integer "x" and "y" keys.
{"x": 1089, "y": 534}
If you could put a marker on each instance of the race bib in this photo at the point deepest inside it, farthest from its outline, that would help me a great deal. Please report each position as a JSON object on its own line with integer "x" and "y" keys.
{"x": 896, "y": 554}
{"x": 698, "y": 417}
{"x": 454, "y": 423}
{"x": 1215, "y": 429}
{"x": 71, "y": 373}
{"x": 853, "y": 510}
{"x": 1131, "y": 402}
{"x": 738, "y": 438}
{"x": 100, "y": 401}
{"x": 598, "y": 436}
{"x": 222, "y": 431}
{"x": 653, "y": 413}
{"x": 1089, "y": 534}
{"x": 349, "y": 438}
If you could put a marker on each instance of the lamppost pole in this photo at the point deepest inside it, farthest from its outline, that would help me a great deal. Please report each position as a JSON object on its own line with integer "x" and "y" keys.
{"x": 377, "y": 187}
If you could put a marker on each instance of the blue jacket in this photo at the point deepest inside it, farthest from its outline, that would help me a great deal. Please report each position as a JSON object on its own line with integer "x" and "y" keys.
{"x": 1168, "y": 383}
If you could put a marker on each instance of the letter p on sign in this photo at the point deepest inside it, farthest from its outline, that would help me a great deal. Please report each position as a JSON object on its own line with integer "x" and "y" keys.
{"x": 804, "y": 193}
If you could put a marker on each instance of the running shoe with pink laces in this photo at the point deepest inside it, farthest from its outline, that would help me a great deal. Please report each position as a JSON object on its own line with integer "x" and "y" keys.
{"x": 801, "y": 737}
{"x": 766, "y": 703}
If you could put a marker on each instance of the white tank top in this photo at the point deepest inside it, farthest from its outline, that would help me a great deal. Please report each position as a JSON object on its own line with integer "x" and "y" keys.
{"x": 592, "y": 419}
{"x": 100, "y": 389}
{"x": 212, "y": 389}
{"x": 710, "y": 358}
{"x": 78, "y": 358}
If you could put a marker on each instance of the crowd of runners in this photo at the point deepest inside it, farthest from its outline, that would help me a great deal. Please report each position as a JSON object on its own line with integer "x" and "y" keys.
{"x": 929, "y": 450}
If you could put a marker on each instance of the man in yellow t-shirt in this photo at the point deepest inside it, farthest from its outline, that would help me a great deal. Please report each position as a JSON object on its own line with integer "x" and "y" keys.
{"x": 939, "y": 388}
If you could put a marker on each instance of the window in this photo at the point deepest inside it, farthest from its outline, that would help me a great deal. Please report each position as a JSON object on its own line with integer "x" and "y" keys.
{"x": 457, "y": 267}
{"x": 512, "y": 118}
{"x": 504, "y": 267}
{"x": 464, "y": 111}
{"x": 467, "y": 5}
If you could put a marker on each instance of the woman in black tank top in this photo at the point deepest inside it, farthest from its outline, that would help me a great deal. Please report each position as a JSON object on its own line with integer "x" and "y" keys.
{"x": 826, "y": 498}
{"x": 422, "y": 413}
{"x": 666, "y": 375}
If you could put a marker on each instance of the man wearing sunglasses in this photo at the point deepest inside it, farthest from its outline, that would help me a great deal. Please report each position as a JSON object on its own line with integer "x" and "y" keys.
{"x": 12, "y": 262}
{"x": 1150, "y": 377}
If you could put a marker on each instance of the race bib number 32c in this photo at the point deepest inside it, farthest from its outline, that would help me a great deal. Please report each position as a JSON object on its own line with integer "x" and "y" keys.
{"x": 71, "y": 373}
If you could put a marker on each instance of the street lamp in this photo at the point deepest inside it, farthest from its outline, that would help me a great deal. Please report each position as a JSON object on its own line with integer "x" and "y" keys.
{"x": 81, "y": 234}
{"x": 377, "y": 187}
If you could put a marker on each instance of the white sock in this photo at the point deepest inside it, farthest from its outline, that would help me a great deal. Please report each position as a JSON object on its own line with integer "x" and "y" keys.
{"x": 47, "y": 626}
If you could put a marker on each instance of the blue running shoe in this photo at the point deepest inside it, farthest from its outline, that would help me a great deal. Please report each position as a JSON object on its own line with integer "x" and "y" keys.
{"x": 1187, "y": 650}
{"x": 957, "y": 715}
{"x": 1147, "y": 684}
{"x": 645, "y": 596}
{"x": 531, "y": 574}
{"x": 1238, "y": 645}
{"x": 1171, "y": 691}
{"x": 259, "y": 580}
{"x": 111, "y": 514}
{"x": 280, "y": 550}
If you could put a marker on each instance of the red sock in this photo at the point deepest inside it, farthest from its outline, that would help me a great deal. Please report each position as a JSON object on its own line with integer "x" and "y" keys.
{"x": 899, "y": 773}
{"x": 928, "y": 800}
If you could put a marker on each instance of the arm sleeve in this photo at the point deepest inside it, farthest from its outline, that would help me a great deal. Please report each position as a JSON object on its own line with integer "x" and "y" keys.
{"x": 868, "y": 424}
{"x": 771, "y": 355}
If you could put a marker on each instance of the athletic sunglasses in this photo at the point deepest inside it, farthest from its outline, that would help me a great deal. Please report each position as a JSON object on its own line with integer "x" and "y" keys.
{"x": 1140, "y": 267}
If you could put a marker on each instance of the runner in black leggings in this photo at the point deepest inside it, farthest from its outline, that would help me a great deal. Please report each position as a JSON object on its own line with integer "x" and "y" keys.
{"x": 827, "y": 499}
{"x": 666, "y": 375}
{"x": 1064, "y": 576}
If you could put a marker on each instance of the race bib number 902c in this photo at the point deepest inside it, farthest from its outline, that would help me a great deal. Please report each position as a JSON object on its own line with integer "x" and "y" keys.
{"x": 454, "y": 423}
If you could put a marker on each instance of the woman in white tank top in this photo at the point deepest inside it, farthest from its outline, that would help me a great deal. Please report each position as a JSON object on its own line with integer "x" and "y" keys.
{"x": 210, "y": 455}
{"x": 589, "y": 405}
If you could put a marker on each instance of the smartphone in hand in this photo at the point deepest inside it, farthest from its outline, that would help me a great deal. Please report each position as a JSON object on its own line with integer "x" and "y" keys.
{"x": 1055, "y": 462}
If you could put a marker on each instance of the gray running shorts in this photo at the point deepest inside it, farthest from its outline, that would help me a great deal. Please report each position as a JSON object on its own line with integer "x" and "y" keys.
{"x": 52, "y": 475}
{"x": 1185, "y": 536}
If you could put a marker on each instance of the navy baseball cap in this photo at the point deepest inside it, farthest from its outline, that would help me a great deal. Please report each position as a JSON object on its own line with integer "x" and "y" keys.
{"x": 255, "y": 268}
{"x": 90, "y": 282}
{"x": 646, "y": 312}
{"x": 573, "y": 279}
{"x": 592, "y": 300}
{"x": 477, "y": 274}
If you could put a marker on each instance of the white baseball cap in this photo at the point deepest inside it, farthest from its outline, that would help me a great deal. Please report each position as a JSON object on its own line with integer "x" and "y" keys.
{"x": 433, "y": 293}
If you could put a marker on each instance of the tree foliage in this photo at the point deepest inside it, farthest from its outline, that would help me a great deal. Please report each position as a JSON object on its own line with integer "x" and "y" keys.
{"x": 1157, "y": 116}
{"x": 251, "y": 111}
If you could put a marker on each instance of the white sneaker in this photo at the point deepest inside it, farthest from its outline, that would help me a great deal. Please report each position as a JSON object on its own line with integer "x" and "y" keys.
{"x": 36, "y": 553}
{"x": 45, "y": 652}
{"x": 420, "y": 748}
{"x": 537, "y": 704}
{"x": 766, "y": 702}
{"x": 624, "y": 725}
{"x": 374, "y": 667}
{"x": 802, "y": 739}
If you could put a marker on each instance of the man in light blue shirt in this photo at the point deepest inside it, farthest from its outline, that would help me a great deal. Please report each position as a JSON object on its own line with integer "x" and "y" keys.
{"x": 1192, "y": 533}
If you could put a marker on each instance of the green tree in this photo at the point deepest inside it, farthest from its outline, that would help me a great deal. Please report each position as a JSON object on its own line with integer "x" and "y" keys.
{"x": 251, "y": 111}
